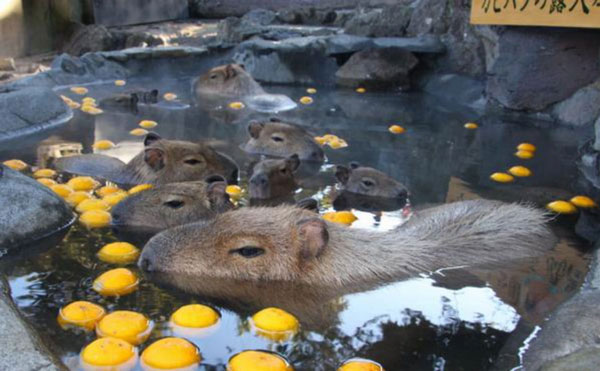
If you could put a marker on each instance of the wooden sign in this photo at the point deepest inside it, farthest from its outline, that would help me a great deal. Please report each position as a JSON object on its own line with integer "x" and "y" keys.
{"x": 562, "y": 13}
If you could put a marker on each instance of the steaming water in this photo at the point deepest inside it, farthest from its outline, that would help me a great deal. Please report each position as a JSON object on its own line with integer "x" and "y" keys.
{"x": 458, "y": 319}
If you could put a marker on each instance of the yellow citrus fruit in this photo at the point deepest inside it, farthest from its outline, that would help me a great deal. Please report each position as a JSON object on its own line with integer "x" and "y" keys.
{"x": 360, "y": 365}
{"x": 83, "y": 183}
{"x": 17, "y": 165}
{"x": 396, "y": 129}
{"x": 48, "y": 182}
{"x": 62, "y": 190}
{"x": 234, "y": 191}
{"x": 256, "y": 360}
{"x": 171, "y": 353}
{"x": 103, "y": 145}
{"x": 118, "y": 253}
{"x": 337, "y": 143}
{"x": 79, "y": 90}
{"x": 92, "y": 204}
{"x": 126, "y": 325}
{"x": 77, "y": 197}
{"x": 148, "y": 124}
{"x": 170, "y": 96}
{"x": 110, "y": 353}
{"x": 562, "y": 207}
{"x": 361, "y": 90}
{"x": 236, "y": 105}
{"x": 73, "y": 105}
{"x": 321, "y": 140}
{"x": 82, "y": 314}
{"x": 120, "y": 82}
{"x": 114, "y": 198}
{"x": 520, "y": 171}
{"x": 89, "y": 101}
{"x": 195, "y": 315}
{"x": 44, "y": 173}
{"x": 139, "y": 188}
{"x": 91, "y": 109}
{"x": 306, "y": 100}
{"x": 502, "y": 177}
{"x": 275, "y": 320}
{"x": 583, "y": 202}
{"x": 341, "y": 217}
{"x": 95, "y": 218}
{"x": 311, "y": 90}
{"x": 525, "y": 155}
{"x": 138, "y": 132}
{"x": 471, "y": 126}
{"x": 107, "y": 190}
{"x": 119, "y": 281}
{"x": 526, "y": 147}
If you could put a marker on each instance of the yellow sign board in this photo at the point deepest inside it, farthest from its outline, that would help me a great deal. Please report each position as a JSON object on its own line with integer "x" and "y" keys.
{"x": 562, "y": 13}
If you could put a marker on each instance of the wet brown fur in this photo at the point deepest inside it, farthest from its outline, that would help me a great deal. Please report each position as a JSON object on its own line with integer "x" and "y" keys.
{"x": 230, "y": 80}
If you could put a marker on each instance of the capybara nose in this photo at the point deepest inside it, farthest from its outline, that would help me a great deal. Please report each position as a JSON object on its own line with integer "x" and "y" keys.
{"x": 116, "y": 218}
{"x": 316, "y": 155}
{"x": 259, "y": 180}
{"x": 145, "y": 264}
{"x": 402, "y": 195}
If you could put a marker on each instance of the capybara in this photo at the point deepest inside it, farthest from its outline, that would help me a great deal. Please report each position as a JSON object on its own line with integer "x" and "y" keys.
{"x": 369, "y": 182}
{"x": 230, "y": 80}
{"x": 273, "y": 178}
{"x": 162, "y": 161}
{"x": 286, "y": 243}
{"x": 280, "y": 139}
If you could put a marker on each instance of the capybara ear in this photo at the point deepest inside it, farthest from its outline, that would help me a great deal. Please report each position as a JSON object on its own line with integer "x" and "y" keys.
{"x": 151, "y": 137}
{"x": 230, "y": 72}
{"x": 134, "y": 99}
{"x": 354, "y": 165}
{"x": 155, "y": 158}
{"x": 217, "y": 193}
{"x": 313, "y": 236}
{"x": 242, "y": 66}
{"x": 308, "y": 203}
{"x": 254, "y": 128}
{"x": 342, "y": 174}
{"x": 274, "y": 119}
{"x": 292, "y": 162}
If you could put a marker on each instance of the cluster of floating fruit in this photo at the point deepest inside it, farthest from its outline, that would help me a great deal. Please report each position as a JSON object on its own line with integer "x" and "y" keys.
{"x": 332, "y": 141}
{"x": 524, "y": 151}
{"x": 570, "y": 207}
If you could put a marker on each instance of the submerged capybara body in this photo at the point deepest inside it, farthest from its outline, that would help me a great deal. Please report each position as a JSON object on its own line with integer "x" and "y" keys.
{"x": 130, "y": 100}
{"x": 272, "y": 178}
{"x": 367, "y": 181}
{"x": 230, "y": 80}
{"x": 281, "y": 139}
{"x": 289, "y": 244}
{"x": 162, "y": 161}
{"x": 172, "y": 204}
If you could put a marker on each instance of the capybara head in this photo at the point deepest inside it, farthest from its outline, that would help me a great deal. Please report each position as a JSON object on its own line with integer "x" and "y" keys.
{"x": 370, "y": 182}
{"x": 230, "y": 80}
{"x": 274, "y": 177}
{"x": 172, "y": 204}
{"x": 276, "y": 138}
{"x": 169, "y": 161}
{"x": 252, "y": 243}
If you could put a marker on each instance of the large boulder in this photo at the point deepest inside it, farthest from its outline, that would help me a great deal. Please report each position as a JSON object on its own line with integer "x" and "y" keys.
{"x": 378, "y": 69}
{"x": 581, "y": 108}
{"x": 597, "y": 132}
{"x": 17, "y": 116}
{"x": 30, "y": 211}
{"x": 535, "y": 68}
{"x": 385, "y": 22}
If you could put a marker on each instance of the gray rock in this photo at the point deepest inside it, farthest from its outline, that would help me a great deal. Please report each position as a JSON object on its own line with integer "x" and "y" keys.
{"x": 30, "y": 210}
{"x": 18, "y": 118}
{"x": 428, "y": 17}
{"x": 581, "y": 108}
{"x": 117, "y": 12}
{"x": 92, "y": 38}
{"x": 536, "y": 68}
{"x": 388, "y": 21}
{"x": 597, "y": 135}
{"x": 378, "y": 69}
{"x": 420, "y": 44}
{"x": 461, "y": 90}
{"x": 20, "y": 346}
{"x": 261, "y": 17}
{"x": 567, "y": 336}
{"x": 235, "y": 30}
{"x": 312, "y": 16}
{"x": 340, "y": 44}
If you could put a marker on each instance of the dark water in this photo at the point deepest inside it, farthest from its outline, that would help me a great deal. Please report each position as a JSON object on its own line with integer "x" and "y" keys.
{"x": 472, "y": 319}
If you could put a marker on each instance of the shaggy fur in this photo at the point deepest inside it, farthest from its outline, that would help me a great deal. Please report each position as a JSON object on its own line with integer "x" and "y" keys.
{"x": 300, "y": 247}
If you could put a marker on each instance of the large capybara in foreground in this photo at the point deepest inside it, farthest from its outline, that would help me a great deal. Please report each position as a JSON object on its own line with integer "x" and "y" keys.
{"x": 172, "y": 204}
{"x": 162, "y": 161}
{"x": 289, "y": 244}
{"x": 281, "y": 139}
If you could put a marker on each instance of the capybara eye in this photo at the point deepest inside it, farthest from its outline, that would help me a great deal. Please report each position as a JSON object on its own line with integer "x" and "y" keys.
{"x": 249, "y": 251}
{"x": 174, "y": 204}
{"x": 284, "y": 171}
{"x": 277, "y": 138}
{"x": 213, "y": 76}
{"x": 368, "y": 183}
{"x": 192, "y": 161}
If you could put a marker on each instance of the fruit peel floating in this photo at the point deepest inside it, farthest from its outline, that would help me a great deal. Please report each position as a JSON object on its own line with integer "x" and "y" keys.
{"x": 520, "y": 171}
{"x": 195, "y": 316}
{"x": 118, "y": 253}
{"x": 340, "y": 217}
{"x": 148, "y": 124}
{"x": 114, "y": 198}
{"x": 306, "y": 100}
{"x": 92, "y": 204}
{"x": 83, "y": 183}
{"x": 170, "y": 96}
{"x": 95, "y": 218}
{"x": 79, "y": 90}
{"x": 116, "y": 282}
{"x": 133, "y": 327}
{"x": 471, "y": 126}
{"x": 170, "y": 353}
{"x": 275, "y": 324}
{"x": 332, "y": 141}
{"x": 360, "y": 364}
{"x": 562, "y": 207}
{"x": 502, "y": 177}
{"x": 108, "y": 190}
{"x": 108, "y": 354}
{"x": 48, "y": 182}
{"x": 526, "y": 147}
{"x": 236, "y": 105}
{"x": 103, "y": 145}
{"x": 140, "y": 188}
{"x": 120, "y": 82}
{"x": 82, "y": 314}
{"x": 16, "y": 165}
{"x": 311, "y": 91}
{"x": 396, "y": 129}
{"x": 583, "y": 202}
{"x": 44, "y": 173}
{"x": 360, "y": 90}
{"x": 62, "y": 190}
{"x": 138, "y": 132}
{"x": 524, "y": 155}
{"x": 77, "y": 197}
{"x": 258, "y": 360}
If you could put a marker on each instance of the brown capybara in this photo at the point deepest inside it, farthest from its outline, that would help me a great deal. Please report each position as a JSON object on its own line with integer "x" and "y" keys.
{"x": 285, "y": 243}
{"x": 273, "y": 178}
{"x": 162, "y": 161}
{"x": 280, "y": 139}
{"x": 369, "y": 182}
{"x": 172, "y": 204}
{"x": 130, "y": 100}
{"x": 230, "y": 80}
